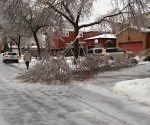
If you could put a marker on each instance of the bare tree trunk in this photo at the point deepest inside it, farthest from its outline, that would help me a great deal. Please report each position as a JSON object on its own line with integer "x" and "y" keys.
{"x": 37, "y": 43}
{"x": 19, "y": 40}
{"x": 17, "y": 43}
{"x": 76, "y": 44}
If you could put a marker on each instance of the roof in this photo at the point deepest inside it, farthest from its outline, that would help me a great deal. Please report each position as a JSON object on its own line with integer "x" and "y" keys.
{"x": 33, "y": 47}
{"x": 14, "y": 47}
{"x": 145, "y": 30}
{"x": 103, "y": 36}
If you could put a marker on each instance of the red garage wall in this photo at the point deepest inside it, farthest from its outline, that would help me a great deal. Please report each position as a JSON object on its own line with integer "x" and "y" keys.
{"x": 133, "y": 40}
{"x": 132, "y": 46}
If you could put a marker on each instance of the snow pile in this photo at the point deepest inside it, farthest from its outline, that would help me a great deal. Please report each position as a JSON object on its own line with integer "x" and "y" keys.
{"x": 136, "y": 90}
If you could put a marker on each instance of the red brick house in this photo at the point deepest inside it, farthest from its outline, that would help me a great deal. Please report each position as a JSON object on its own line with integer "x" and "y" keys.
{"x": 133, "y": 40}
{"x": 62, "y": 40}
{"x": 99, "y": 41}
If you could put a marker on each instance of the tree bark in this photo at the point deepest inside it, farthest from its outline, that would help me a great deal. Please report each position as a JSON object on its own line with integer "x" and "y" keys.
{"x": 19, "y": 40}
{"x": 76, "y": 44}
{"x": 17, "y": 43}
{"x": 37, "y": 43}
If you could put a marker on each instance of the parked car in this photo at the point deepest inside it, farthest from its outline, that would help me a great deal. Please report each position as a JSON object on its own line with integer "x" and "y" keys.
{"x": 10, "y": 56}
{"x": 112, "y": 53}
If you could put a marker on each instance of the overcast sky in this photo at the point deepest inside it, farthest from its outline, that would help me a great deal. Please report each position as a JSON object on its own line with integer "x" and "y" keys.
{"x": 102, "y": 6}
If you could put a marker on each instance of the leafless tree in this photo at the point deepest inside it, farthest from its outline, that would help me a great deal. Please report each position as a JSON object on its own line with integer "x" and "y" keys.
{"x": 77, "y": 11}
{"x": 34, "y": 17}
{"x": 39, "y": 14}
{"x": 12, "y": 25}
{"x": 13, "y": 31}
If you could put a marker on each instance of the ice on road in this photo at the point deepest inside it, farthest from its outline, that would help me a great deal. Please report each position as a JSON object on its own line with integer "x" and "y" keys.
{"x": 79, "y": 103}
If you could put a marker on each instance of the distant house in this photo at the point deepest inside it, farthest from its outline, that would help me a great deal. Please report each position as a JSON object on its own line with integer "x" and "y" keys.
{"x": 133, "y": 40}
{"x": 62, "y": 40}
{"x": 99, "y": 41}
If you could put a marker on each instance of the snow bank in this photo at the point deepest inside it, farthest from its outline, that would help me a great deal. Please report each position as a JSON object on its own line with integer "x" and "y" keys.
{"x": 136, "y": 90}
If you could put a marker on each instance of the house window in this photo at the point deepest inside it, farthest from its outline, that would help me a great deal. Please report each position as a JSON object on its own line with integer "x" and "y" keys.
{"x": 66, "y": 33}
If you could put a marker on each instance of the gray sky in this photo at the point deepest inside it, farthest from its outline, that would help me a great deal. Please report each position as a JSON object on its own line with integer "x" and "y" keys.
{"x": 102, "y": 6}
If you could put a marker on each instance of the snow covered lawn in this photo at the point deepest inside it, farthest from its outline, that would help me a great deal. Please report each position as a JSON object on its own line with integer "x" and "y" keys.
{"x": 136, "y": 90}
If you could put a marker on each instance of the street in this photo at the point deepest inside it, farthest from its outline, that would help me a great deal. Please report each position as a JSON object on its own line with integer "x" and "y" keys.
{"x": 72, "y": 104}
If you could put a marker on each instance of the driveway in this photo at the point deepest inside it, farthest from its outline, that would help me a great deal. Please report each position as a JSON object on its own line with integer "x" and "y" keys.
{"x": 109, "y": 78}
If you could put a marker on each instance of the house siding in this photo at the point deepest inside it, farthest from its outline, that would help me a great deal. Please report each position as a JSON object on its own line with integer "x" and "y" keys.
{"x": 60, "y": 43}
{"x": 55, "y": 44}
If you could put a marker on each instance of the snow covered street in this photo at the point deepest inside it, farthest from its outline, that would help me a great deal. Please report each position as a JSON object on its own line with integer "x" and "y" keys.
{"x": 80, "y": 103}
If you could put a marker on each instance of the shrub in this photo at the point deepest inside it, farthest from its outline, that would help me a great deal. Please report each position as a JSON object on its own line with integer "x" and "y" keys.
{"x": 147, "y": 58}
{"x": 145, "y": 53}
{"x": 108, "y": 43}
{"x": 134, "y": 61}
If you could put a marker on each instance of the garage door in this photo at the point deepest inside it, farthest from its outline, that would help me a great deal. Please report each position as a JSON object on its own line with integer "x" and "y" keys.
{"x": 132, "y": 46}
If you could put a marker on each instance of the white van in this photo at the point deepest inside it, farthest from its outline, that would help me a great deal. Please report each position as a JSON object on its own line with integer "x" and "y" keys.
{"x": 113, "y": 53}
